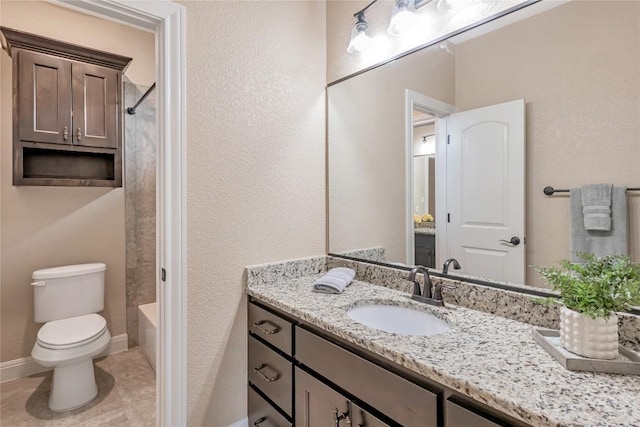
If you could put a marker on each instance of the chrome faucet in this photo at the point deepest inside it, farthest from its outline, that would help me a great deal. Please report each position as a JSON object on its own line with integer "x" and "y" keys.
{"x": 416, "y": 284}
{"x": 456, "y": 265}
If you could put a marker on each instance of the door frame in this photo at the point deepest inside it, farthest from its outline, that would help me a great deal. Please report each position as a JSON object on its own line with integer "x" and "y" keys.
{"x": 441, "y": 110}
{"x": 168, "y": 20}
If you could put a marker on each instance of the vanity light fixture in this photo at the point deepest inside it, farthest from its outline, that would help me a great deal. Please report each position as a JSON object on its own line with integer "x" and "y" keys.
{"x": 403, "y": 18}
{"x": 452, "y": 5}
{"x": 360, "y": 42}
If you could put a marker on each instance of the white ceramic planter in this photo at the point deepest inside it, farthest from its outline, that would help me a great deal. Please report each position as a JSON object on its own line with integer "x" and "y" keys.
{"x": 593, "y": 338}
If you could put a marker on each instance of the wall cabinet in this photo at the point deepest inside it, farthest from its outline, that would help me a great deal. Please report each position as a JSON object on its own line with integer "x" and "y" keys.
{"x": 303, "y": 377}
{"x": 66, "y": 112}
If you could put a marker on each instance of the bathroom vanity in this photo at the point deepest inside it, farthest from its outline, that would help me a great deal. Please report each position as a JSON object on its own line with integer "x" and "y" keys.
{"x": 312, "y": 365}
{"x": 322, "y": 379}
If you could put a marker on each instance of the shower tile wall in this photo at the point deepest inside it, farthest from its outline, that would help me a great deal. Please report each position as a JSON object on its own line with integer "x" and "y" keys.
{"x": 140, "y": 203}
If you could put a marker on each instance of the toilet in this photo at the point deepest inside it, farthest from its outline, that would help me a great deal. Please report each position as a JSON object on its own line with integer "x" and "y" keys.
{"x": 67, "y": 300}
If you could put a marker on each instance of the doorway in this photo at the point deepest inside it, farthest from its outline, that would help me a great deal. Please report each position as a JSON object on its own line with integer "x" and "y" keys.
{"x": 168, "y": 21}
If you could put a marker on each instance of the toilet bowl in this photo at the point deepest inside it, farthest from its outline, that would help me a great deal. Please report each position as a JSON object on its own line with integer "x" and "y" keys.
{"x": 69, "y": 346}
{"x": 68, "y": 299}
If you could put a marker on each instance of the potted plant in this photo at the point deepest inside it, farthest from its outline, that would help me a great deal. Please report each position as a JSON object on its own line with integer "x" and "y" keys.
{"x": 591, "y": 293}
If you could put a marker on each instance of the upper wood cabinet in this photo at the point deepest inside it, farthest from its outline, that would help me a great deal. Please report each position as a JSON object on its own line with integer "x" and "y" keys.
{"x": 67, "y": 112}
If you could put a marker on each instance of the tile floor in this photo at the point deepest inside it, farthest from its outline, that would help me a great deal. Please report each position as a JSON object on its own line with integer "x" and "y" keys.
{"x": 126, "y": 397}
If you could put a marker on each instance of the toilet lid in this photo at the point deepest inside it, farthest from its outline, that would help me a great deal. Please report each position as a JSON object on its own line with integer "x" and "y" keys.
{"x": 73, "y": 332}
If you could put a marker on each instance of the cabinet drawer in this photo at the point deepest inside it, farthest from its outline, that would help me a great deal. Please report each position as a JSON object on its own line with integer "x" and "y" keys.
{"x": 271, "y": 327}
{"x": 457, "y": 415}
{"x": 262, "y": 414}
{"x": 271, "y": 374}
{"x": 397, "y": 398}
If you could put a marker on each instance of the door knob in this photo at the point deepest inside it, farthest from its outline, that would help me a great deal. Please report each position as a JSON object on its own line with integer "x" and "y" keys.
{"x": 515, "y": 241}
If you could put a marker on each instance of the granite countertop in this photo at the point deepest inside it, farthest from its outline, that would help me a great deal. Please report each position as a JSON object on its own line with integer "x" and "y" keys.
{"x": 489, "y": 358}
{"x": 424, "y": 230}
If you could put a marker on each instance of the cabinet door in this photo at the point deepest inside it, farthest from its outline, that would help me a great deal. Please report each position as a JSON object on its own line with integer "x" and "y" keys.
{"x": 44, "y": 98}
{"x": 95, "y": 106}
{"x": 318, "y": 405}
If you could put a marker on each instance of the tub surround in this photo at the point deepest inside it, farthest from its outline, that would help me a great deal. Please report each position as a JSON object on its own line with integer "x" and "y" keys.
{"x": 508, "y": 370}
{"x": 140, "y": 204}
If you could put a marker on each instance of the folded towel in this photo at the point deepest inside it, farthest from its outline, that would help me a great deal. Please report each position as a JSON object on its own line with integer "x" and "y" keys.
{"x": 335, "y": 281}
{"x": 600, "y": 243}
{"x": 596, "y": 207}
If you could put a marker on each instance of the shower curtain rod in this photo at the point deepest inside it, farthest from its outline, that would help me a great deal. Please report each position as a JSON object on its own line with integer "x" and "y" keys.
{"x": 132, "y": 110}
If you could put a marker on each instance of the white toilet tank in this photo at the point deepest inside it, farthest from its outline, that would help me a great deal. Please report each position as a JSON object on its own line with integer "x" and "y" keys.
{"x": 68, "y": 291}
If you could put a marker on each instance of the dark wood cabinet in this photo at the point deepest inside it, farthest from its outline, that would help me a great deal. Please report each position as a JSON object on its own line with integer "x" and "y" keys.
{"x": 425, "y": 250}
{"x": 318, "y": 405}
{"x": 67, "y": 112}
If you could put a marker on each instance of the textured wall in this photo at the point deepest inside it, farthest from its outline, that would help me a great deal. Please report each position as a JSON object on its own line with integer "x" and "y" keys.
{"x": 435, "y": 24}
{"x": 578, "y": 69}
{"x": 48, "y": 226}
{"x": 367, "y": 201}
{"x": 140, "y": 203}
{"x": 255, "y": 175}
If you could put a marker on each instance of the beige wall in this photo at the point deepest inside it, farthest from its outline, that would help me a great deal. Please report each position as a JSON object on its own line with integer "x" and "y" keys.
{"x": 367, "y": 151}
{"x": 578, "y": 69}
{"x": 48, "y": 226}
{"x": 255, "y": 175}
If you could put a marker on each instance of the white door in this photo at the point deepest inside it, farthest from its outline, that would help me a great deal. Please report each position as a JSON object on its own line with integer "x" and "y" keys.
{"x": 486, "y": 191}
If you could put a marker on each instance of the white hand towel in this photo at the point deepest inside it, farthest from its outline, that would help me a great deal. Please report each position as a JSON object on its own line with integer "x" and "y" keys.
{"x": 335, "y": 281}
{"x": 596, "y": 207}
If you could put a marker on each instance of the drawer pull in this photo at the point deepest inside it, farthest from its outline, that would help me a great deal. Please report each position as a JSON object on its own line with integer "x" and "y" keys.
{"x": 268, "y": 328}
{"x": 260, "y": 421}
{"x": 258, "y": 370}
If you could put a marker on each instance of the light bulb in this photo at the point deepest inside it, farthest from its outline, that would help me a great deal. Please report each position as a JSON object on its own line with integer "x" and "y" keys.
{"x": 403, "y": 18}
{"x": 360, "y": 42}
{"x": 453, "y": 5}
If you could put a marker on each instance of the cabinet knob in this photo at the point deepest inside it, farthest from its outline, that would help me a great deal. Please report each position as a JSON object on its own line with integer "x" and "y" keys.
{"x": 65, "y": 133}
{"x": 79, "y": 135}
{"x": 260, "y": 421}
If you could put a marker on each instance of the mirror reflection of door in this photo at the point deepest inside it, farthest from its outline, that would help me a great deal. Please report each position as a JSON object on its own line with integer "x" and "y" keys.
{"x": 424, "y": 151}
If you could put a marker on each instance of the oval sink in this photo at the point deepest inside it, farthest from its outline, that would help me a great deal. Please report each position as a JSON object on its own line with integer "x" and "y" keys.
{"x": 399, "y": 320}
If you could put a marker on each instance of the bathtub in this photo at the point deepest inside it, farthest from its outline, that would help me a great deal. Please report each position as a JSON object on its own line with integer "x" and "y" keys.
{"x": 147, "y": 327}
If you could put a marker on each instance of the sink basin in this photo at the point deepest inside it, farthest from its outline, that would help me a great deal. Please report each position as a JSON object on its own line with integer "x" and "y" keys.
{"x": 399, "y": 320}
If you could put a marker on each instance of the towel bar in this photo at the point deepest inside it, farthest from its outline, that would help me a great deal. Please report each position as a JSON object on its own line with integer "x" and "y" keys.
{"x": 550, "y": 190}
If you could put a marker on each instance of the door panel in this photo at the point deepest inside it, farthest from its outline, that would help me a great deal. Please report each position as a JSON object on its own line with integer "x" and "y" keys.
{"x": 44, "y": 95}
{"x": 486, "y": 191}
{"x": 95, "y": 106}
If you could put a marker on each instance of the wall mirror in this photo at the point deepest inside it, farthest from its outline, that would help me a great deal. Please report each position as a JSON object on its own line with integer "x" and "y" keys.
{"x": 569, "y": 73}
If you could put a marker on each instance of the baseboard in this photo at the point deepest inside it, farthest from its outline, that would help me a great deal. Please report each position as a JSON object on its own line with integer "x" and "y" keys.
{"x": 241, "y": 423}
{"x": 26, "y": 366}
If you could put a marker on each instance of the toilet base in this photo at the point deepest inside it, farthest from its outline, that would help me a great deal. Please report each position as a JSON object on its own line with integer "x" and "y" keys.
{"x": 73, "y": 386}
